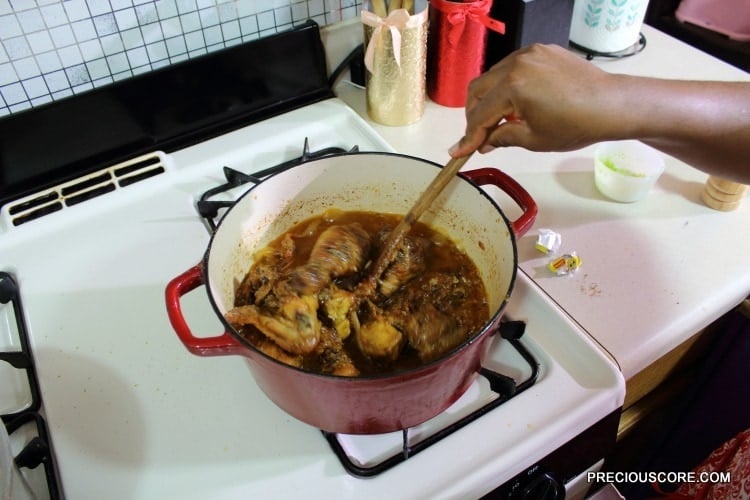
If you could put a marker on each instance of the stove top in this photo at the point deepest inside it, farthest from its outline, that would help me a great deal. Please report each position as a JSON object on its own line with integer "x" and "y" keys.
{"x": 133, "y": 414}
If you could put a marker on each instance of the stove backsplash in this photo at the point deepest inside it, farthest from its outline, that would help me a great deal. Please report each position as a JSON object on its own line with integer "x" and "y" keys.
{"x": 51, "y": 49}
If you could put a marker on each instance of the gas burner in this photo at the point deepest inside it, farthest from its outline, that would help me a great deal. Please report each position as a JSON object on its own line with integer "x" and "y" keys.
{"x": 26, "y": 424}
{"x": 209, "y": 209}
{"x": 366, "y": 456}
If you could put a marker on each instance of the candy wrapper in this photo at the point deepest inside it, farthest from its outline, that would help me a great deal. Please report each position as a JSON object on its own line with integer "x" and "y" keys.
{"x": 548, "y": 241}
{"x": 565, "y": 264}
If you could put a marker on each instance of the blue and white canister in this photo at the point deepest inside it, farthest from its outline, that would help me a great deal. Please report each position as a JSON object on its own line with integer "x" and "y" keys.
{"x": 607, "y": 26}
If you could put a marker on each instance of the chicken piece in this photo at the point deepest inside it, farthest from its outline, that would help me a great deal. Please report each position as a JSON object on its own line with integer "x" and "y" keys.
{"x": 337, "y": 305}
{"x": 332, "y": 357}
{"x": 257, "y": 284}
{"x": 431, "y": 332}
{"x": 345, "y": 368}
{"x": 295, "y": 326}
{"x": 287, "y": 314}
{"x": 407, "y": 264}
{"x": 272, "y": 349}
{"x": 267, "y": 270}
{"x": 338, "y": 251}
{"x": 378, "y": 337}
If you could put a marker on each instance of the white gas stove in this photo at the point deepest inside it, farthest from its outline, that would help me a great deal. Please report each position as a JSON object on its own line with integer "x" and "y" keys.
{"x": 132, "y": 414}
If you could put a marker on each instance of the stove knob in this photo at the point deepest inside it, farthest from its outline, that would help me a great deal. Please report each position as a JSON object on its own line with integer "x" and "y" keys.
{"x": 541, "y": 487}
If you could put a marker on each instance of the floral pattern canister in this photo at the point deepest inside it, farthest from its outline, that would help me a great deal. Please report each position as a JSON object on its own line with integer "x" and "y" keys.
{"x": 607, "y": 25}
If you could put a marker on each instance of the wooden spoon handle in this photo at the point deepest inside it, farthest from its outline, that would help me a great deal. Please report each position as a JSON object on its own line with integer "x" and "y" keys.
{"x": 379, "y": 8}
{"x": 423, "y": 202}
{"x": 447, "y": 173}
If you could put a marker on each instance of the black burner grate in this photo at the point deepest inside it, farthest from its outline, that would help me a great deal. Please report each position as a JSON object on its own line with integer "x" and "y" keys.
{"x": 505, "y": 387}
{"x": 209, "y": 209}
{"x": 37, "y": 451}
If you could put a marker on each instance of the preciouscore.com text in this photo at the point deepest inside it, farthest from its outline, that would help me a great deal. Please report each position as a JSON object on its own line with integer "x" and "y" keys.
{"x": 660, "y": 477}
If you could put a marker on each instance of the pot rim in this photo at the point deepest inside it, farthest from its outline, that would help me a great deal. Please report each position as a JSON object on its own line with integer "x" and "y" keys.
{"x": 490, "y": 324}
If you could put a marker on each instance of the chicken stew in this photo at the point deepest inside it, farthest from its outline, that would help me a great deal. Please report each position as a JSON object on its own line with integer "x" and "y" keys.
{"x": 300, "y": 303}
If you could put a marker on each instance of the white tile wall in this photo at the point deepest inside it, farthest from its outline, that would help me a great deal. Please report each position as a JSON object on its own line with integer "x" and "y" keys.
{"x": 51, "y": 49}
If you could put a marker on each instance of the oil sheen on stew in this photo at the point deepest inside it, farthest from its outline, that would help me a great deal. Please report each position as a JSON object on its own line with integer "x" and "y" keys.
{"x": 300, "y": 302}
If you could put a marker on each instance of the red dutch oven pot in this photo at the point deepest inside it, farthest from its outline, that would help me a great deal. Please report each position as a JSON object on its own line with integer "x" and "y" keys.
{"x": 380, "y": 182}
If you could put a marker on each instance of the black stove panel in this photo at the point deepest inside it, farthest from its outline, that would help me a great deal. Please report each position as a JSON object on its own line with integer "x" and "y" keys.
{"x": 163, "y": 110}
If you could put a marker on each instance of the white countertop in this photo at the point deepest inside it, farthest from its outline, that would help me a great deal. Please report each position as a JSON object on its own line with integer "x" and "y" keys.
{"x": 655, "y": 271}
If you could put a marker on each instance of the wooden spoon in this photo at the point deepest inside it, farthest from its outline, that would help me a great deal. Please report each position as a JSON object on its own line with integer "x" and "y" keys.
{"x": 379, "y": 8}
{"x": 390, "y": 247}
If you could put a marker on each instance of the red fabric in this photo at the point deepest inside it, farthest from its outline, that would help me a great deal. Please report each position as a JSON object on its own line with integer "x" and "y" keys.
{"x": 733, "y": 457}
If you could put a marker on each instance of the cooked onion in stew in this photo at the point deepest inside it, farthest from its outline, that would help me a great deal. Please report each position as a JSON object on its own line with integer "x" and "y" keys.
{"x": 299, "y": 302}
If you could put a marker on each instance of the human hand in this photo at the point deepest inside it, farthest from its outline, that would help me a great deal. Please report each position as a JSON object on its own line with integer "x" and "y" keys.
{"x": 542, "y": 98}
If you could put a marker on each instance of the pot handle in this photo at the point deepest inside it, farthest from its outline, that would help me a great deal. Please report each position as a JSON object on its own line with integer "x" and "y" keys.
{"x": 509, "y": 186}
{"x": 220, "y": 345}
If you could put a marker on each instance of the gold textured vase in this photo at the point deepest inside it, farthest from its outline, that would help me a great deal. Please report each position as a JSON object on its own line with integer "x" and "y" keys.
{"x": 395, "y": 57}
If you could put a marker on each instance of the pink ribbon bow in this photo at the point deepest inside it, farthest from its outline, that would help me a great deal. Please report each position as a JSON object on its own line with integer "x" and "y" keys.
{"x": 395, "y": 22}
